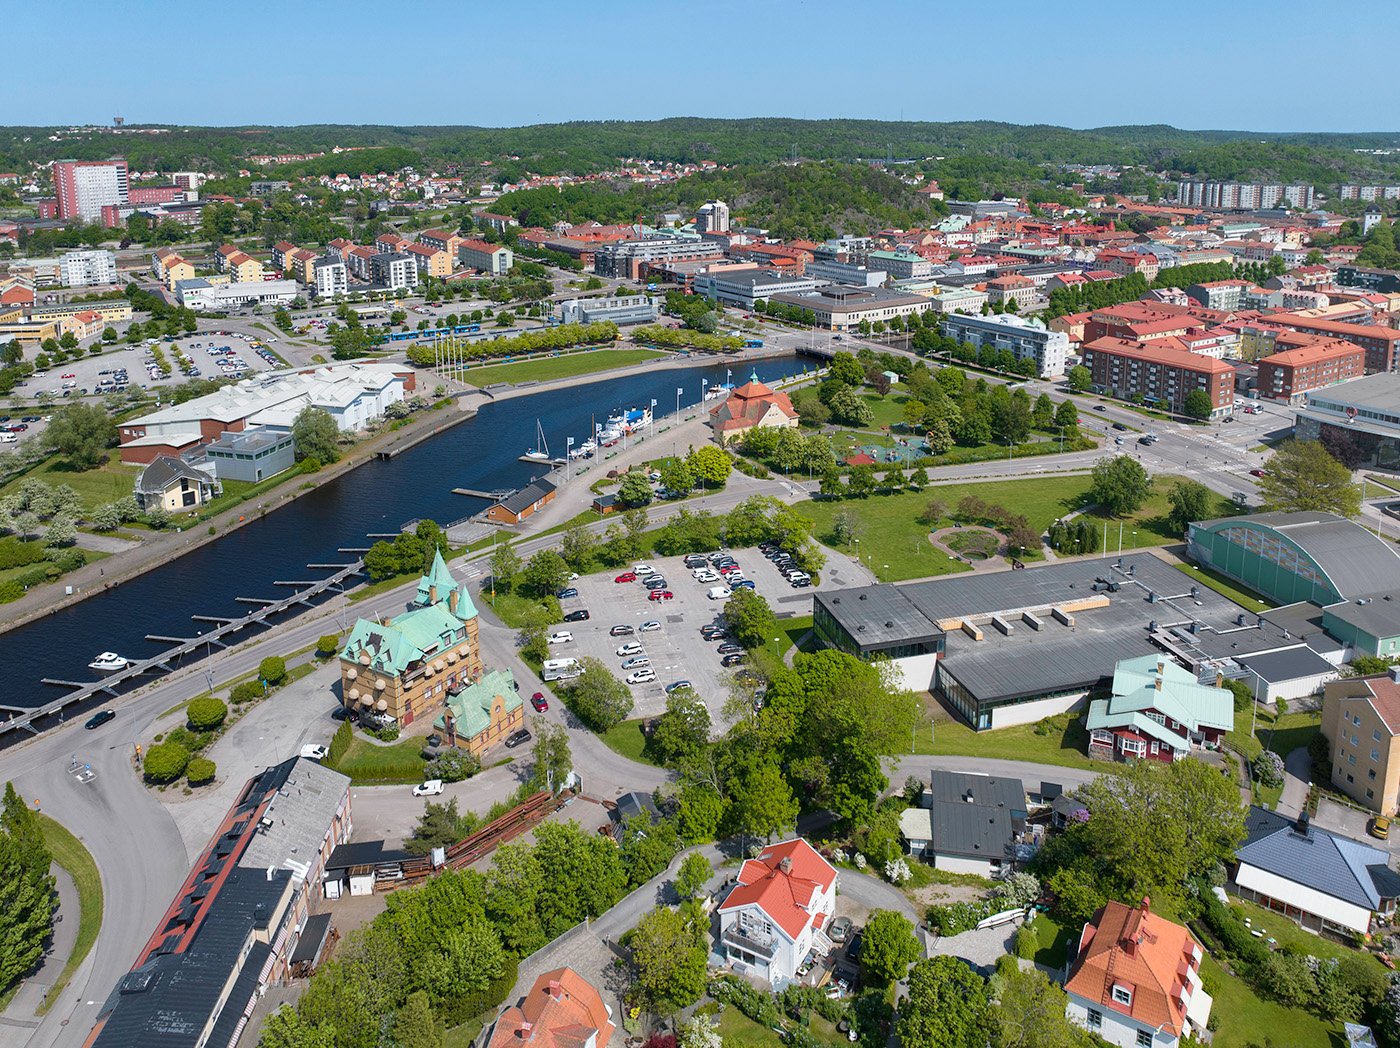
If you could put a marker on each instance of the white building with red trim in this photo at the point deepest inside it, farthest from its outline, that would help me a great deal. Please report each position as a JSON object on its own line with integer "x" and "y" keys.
{"x": 775, "y": 915}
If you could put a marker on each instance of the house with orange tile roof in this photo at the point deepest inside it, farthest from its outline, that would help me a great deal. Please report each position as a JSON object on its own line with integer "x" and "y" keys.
{"x": 752, "y": 404}
{"x": 774, "y": 915}
{"x": 562, "y": 1010}
{"x": 1135, "y": 979}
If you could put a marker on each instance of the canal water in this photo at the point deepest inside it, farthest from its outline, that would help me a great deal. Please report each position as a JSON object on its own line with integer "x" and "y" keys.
{"x": 481, "y": 453}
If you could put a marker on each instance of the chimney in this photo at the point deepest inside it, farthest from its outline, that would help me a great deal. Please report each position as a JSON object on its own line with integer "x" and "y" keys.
{"x": 1157, "y": 682}
{"x": 555, "y": 989}
{"x": 786, "y": 864}
{"x": 1146, "y": 905}
{"x": 452, "y": 598}
{"x": 1394, "y": 673}
{"x": 1301, "y": 825}
{"x": 432, "y": 593}
{"x": 1219, "y": 678}
{"x": 525, "y": 1028}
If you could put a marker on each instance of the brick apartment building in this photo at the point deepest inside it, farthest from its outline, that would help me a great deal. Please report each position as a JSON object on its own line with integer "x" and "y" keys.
{"x": 1380, "y": 343}
{"x": 1162, "y": 374}
{"x": 1312, "y": 363}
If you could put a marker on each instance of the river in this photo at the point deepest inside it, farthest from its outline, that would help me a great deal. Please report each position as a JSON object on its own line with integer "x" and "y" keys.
{"x": 377, "y": 497}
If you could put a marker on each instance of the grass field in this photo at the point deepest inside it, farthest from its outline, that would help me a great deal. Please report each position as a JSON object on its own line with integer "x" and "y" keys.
{"x": 1243, "y": 1016}
{"x": 547, "y": 368}
{"x": 69, "y": 853}
{"x": 370, "y": 764}
{"x": 1055, "y": 941}
{"x": 627, "y": 739}
{"x": 1020, "y": 743}
{"x": 95, "y": 487}
{"x": 790, "y": 631}
{"x": 1150, "y": 526}
{"x": 739, "y": 1031}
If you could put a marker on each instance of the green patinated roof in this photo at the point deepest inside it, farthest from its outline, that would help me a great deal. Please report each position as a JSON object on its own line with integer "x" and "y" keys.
{"x": 397, "y": 644}
{"x": 471, "y": 708}
{"x": 1182, "y": 698}
{"x": 438, "y": 576}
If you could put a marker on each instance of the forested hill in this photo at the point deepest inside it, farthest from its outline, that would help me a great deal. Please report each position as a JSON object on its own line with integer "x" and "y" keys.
{"x": 589, "y": 146}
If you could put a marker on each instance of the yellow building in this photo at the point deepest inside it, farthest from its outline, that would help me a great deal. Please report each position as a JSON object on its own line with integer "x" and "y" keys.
{"x": 244, "y": 269}
{"x": 1361, "y": 722}
{"x": 108, "y": 312}
{"x": 28, "y": 333}
{"x": 430, "y": 260}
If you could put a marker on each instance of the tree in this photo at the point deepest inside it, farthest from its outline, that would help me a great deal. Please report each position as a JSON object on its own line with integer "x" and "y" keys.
{"x": 1197, "y": 404}
{"x": 699, "y": 1032}
{"x": 553, "y": 761}
{"x": 1301, "y": 475}
{"x": 1119, "y": 484}
{"x": 668, "y": 954}
{"x": 415, "y": 1026}
{"x": 206, "y": 714}
{"x": 1190, "y": 501}
{"x": 505, "y": 562}
{"x": 749, "y": 618}
{"x": 890, "y": 946}
{"x": 709, "y": 465}
{"x": 694, "y": 873}
{"x": 1043, "y": 414}
{"x": 200, "y": 771}
{"x": 1030, "y": 1012}
{"x": 577, "y": 546}
{"x": 913, "y": 413}
{"x": 635, "y": 489}
{"x": 327, "y": 645}
{"x": 439, "y": 826}
{"x": 682, "y": 731}
{"x": 27, "y": 897}
{"x": 849, "y": 408}
{"x": 314, "y": 434}
{"x": 763, "y": 802}
{"x": 1066, "y": 415}
{"x": 946, "y": 1006}
{"x": 166, "y": 762}
{"x": 273, "y": 669}
{"x": 846, "y": 369}
{"x": 109, "y": 335}
{"x": 544, "y": 573}
{"x": 285, "y": 1028}
{"x": 81, "y": 433}
{"x": 598, "y": 698}
{"x": 1080, "y": 378}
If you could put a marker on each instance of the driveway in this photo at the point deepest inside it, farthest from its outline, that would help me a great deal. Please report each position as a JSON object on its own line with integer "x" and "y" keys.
{"x": 1297, "y": 773}
{"x": 979, "y": 948}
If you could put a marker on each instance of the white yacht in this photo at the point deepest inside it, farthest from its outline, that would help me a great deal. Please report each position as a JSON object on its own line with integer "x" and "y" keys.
{"x": 109, "y": 662}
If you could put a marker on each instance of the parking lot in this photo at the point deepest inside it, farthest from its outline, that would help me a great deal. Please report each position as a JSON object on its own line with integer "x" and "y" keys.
{"x": 676, "y": 649}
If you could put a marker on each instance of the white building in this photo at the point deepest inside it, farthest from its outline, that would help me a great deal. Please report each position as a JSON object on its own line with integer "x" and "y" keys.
{"x": 712, "y": 217}
{"x": 83, "y": 268}
{"x": 493, "y": 259}
{"x": 1024, "y": 337}
{"x": 332, "y": 278}
{"x": 852, "y": 273}
{"x": 394, "y": 270}
{"x": 773, "y": 917}
{"x": 620, "y": 309}
{"x": 744, "y": 287}
{"x": 198, "y": 294}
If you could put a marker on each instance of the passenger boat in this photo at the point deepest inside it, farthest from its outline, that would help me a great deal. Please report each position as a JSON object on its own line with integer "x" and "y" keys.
{"x": 109, "y": 662}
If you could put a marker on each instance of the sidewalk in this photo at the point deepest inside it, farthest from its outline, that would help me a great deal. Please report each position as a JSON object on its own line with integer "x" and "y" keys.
{"x": 33, "y": 991}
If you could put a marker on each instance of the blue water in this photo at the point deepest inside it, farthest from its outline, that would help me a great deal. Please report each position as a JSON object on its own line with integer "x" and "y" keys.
{"x": 377, "y": 497}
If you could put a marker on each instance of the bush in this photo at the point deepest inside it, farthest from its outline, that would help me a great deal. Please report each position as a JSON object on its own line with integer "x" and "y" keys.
{"x": 753, "y": 1002}
{"x": 273, "y": 669}
{"x": 452, "y": 766}
{"x": 328, "y": 645}
{"x": 206, "y": 714}
{"x": 166, "y": 762}
{"x": 957, "y": 917}
{"x": 200, "y": 771}
{"x": 457, "y": 1010}
{"x": 1268, "y": 768}
{"x": 248, "y": 691}
{"x": 1027, "y": 943}
{"x": 340, "y": 742}
{"x": 389, "y": 734}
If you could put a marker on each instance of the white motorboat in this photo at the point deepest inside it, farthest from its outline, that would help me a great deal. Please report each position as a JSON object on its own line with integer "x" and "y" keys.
{"x": 109, "y": 662}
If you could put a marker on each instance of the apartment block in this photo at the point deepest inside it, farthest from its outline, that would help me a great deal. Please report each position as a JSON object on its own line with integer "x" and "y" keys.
{"x": 494, "y": 259}
{"x": 1314, "y": 363}
{"x": 1161, "y": 374}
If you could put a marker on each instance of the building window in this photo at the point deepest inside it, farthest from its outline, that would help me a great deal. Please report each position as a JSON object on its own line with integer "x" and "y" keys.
{"x": 1370, "y": 795}
{"x": 1144, "y": 1039}
{"x": 1122, "y": 995}
{"x": 1371, "y": 775}
{"x": 1095, "y": 1019}
{"x": 1375, "y": 755}
{"x": 1350, "y": 778}
{"x": 1376, "y": 735}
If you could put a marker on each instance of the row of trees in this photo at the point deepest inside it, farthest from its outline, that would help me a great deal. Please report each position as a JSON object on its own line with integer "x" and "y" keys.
{"x": 561, "y": 336}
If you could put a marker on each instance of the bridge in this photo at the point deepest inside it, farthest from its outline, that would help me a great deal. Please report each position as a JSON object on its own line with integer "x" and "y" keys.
{"x": 23, "y": 717}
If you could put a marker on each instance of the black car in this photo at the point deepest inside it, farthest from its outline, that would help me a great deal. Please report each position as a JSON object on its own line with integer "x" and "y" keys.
{"x": 695, "y": 560}
{"x": 732, "y": 660}
{"x": 621, "y": 631}
{"x": 656, "y": 582}
{"x": 730, "y": 649}
{"x": 515, "y": 738}
{"x": 857, "y": 943}
{"x": 1119, "y": 426}
{"x": 1100, "y": 407}
{"x": 576, "y": 616}
{"x": 565, "y": 594}
{"x": 99, "y": 718}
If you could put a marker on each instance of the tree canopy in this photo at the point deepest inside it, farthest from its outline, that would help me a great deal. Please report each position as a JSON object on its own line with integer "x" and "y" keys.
{"x": 1301, "y": 475}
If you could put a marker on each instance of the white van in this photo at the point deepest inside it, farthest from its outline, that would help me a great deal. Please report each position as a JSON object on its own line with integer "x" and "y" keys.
{"x": 8, "y": 438}
{"x": 560, "y": 669}
{"x": 718, "y": 593}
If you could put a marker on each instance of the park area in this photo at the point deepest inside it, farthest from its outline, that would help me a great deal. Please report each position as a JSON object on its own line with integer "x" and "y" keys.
{"x": 566, "y": 365}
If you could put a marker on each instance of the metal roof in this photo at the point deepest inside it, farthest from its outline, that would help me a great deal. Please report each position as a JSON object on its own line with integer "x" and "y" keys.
{"x": 1338, "y": 866}
{"x": 975, "y": 816}
{"x": 1377, "y": 614}
{"x": 301, "y": 816}
{"x": 526, "y": 496}
{"x": 1291, "y": 664}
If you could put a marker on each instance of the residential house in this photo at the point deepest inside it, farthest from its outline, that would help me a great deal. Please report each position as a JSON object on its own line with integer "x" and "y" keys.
{"x": 1012, "y": 289}
{"x": 1159, "y": 711}
{"x": 751, "y": 405}
{"x": 408, "y": 666}
{"x": 774, "y": 915}
{"x": 482, "y": 714}
{"x": 493, "y": 259}
{"x": 431, "y": 261}
{"x": 967, "y": 823}
{"x": 441, "y": 240}
{"x": 1135, "y": 979}
{"x": 1327, "y": 883}
{"x": 1361, "y": 722}
{"x": 172, "y": 485}
{"x": 562, "y": 1010}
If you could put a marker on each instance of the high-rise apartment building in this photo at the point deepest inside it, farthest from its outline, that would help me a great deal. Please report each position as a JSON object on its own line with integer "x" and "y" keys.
{"x": 84, "y": 187}
{"x": 712, "y": 217}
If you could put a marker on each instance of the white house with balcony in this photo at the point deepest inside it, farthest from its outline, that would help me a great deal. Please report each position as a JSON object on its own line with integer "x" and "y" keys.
{"x": 775, "y": 914}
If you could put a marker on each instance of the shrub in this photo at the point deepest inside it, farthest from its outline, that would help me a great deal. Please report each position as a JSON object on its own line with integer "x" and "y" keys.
{"x": 248, "y": 691}
{"x": 389, "y": 734}
{"x": 1027, "y": 942}
{"x": 1268, "y": 768}
{"x": 166, "y": 762}
{"x": 328, "y": 645}
{"x": 206, "y": 714}
{"x": 200, "y": 771}
{"x": 457, "y": 1010}
{"x": 957, "y": 917}
{"x": 273, "y": 669}
{"x": 340, "y": 742}
{"x": 452, "y": 766}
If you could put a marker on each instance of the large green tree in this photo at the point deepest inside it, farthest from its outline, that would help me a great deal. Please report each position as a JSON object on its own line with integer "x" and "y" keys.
{"x": 1301, "y": 475}
{"x": 890, "y": 946}
{"x": 598, "y": 698}
{"x": 946, "y": 1006}
{"x": 749, "y": 618}
{"x": 1119, "y": 484}
{"x": 27, "y": 898}
{"x": 668, "y": 954}
{"x": 1197, "y": 404}
{"x": 1190, "y": 501}
{"x": 81, "y": 433}
{"x": 315, "y": 435}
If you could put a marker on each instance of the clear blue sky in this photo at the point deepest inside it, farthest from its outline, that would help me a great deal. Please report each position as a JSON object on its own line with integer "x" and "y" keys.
{"x": 509, "y": 62}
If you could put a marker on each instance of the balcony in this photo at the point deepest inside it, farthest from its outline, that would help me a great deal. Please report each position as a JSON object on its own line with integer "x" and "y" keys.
{"x": 750, "y": 940}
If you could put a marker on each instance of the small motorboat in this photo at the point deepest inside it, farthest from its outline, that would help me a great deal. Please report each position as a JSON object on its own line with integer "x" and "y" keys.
{"x": 109, "y": 662}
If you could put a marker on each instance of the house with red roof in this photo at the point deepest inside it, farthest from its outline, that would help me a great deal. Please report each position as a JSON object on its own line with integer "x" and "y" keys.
{"x": 773, "y": 917}
{"x": 752, "y": 404}
{"x": 1135, "y": 979}
{"x": 562, "y": 1010}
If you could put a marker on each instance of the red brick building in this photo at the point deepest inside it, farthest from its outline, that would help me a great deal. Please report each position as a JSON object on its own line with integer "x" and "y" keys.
{"x": 1161, "y": 374}
{"x": 1314, "y": 363}
{"x": 1378, "y": 342}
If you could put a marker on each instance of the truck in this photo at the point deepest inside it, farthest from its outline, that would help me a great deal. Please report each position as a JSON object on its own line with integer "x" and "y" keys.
{"x": 753, "y": 343}
{"x": 560, "y": 669}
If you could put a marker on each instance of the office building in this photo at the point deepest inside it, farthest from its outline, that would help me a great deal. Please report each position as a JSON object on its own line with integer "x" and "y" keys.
{"x": 851, "y": 273}
{"x": 1359, "y": 419}
{"x": 629, "y": 259}
{"x": 901, "y": 265}
{"x": 84, "y": 187}
{"x": 1314, "y": 363}
{"x": 85, "y": 268}
{"x": 252, "y": 455}
{"x": 1383, "y": 281}
{"x": 493, "y": 259}
{"x": 202, "y": 296}
{"x": 1025, "y": 338}
{"x": 744, "y": 287}
{"x": 712, "y": 217}
{"x": 331, "y": 277}
{"x": 841, "y": 308}
{"x": 619, "y": 309}
{"x": 393, "y": 271}
{"x": 1159, "y": 373}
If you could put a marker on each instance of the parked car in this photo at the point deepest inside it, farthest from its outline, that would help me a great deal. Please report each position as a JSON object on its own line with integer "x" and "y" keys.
{"x": 742, "y": 584}
{"x": 679, "y": 685}
{"x": 567, "y": 592}
{"x": 706, "y": 576}
{"x": 313, "y": 752}
{"x": 732, "y": 660}
{"x": 730, "y": 649}
{"x": 644, "y": 676}
{"x": 839, "y": 930}
{"x": 99, "y": 718}
{"x": 636, "y": 662}
{"x": 660, "y": 594}
{"x": 561, "y": 637}
{"x": 1379, "y": 827}
{"x": 656, "y": 582}
{"x": 695, "y": 560}
{"x": 577, "y": 616}
{"x": 538, "y": 701}
{"x": 630, "y": 648}
{"x": 650, "y": 626}
{"x": 626, "y": 576}
{"x": 515, "y": 738}
{"x": 431, "y": 788}
{"x": 621, "y": 631}
{"x": 643, "y": 569}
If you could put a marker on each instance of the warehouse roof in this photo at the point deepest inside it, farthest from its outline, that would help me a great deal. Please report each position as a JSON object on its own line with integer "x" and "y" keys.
{"x": 1377, "y": 614}
{"x": 878, "y": 616}
{"x": 1292, "y": 664}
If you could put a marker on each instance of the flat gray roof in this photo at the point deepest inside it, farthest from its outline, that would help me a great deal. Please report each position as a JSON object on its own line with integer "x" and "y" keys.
{"x": 1381, "y": 391}
{"x": 1379, "y": 615}
{"x": 301, "y": 816}
{"x": 878, "y": 616}
{"x": 1278, "y": 666}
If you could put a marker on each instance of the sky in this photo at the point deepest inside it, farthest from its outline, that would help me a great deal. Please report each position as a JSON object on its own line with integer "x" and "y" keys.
{"x": 1238, "y": 66}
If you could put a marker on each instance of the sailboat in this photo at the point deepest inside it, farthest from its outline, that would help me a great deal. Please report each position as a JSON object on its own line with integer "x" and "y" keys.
{"x": 540, "y": 452}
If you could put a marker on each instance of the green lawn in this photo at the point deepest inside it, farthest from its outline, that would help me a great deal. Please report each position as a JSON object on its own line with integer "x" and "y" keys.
{"x": 1020, "y": 743}
{"x": 546, "y": 368}
{"x": 69, "y": 853}
{"x": 1241, "y": 595}
{"x": 790, "y": 631}
{"x": 1243, "y": 1016}
{"x": 1149, "y": 526}
{"x": 739, "y": 1031}
{"x": 888, "y": 410}
{"x": 1291, "y": 731}
{"x": 513, "y": 609}
{"x": 1286, "y": 932}
{"x": 465, "y": 1035}
{"x": 627, "y": 739}
{"x": 1056, "y": 940}
{"x": 95, "y": 487}
{"x": 368, "y": 763}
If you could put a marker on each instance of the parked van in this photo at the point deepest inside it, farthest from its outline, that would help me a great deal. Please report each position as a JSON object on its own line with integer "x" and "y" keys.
{"x": 8, "y": 438}
{"x": 718, "y": 593}
{"x": 560, "y": 669}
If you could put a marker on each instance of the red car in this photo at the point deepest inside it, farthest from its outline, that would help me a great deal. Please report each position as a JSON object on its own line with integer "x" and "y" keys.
{"x": 729, "y": 569}
{"x": 538, "y": 701}
{"x": 626, "y": 576}
{"x": 660, "y": 595}
{"x": 1256, "y": 473}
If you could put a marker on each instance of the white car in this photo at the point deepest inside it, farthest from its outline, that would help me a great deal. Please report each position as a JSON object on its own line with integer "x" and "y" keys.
{"x": 650, "y": 627}
{"x": 630, "y": 648}
{"x": 561, "y": 637}
{"x": 636, "y": 662}
{"x": 705, "y": 575}
{"x": 797, "y": 576}
{"x": 314, "y": 753}
{"x": 645, "y": 676}
{"x": 431, "y": 788}
{"x": 642, "y": 570}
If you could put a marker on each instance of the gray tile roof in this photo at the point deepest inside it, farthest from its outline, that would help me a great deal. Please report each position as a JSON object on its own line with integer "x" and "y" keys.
{"x": 1327, "y": 862}
{"x": 157, "y": 477}
{"x": 975, "y": 816}
{"x": 301, "y": 817}
{"x": 527, "y": 496}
